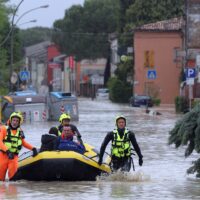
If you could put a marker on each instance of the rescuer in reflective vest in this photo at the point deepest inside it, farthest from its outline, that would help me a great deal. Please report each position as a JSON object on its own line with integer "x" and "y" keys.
{"x": 65, "y": 121}
{"x": 121, "y": 139}
{"x": 11, "y": 141}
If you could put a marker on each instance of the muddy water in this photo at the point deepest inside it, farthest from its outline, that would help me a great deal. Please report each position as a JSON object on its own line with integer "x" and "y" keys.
{"x": 162, "y": 176}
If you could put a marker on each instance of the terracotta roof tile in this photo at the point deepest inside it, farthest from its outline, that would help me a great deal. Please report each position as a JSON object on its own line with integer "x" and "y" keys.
{"x": 174, "y": 24}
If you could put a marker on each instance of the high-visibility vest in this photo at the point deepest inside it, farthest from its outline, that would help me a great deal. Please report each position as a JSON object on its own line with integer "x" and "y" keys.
{"x": 13, "y": 142}
{"x": 121, "y": 147}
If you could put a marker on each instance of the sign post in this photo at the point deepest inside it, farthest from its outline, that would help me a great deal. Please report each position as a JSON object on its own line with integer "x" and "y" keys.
{"x": 190, "y": 76}
{"x": 190, "y": 96}
{"x": 0, "y": 110}
{"x": 190, "y": 73}
{"x": 24, "y": 75}
{"x": 151, "y": 74}
{"x": 198, "y": 60}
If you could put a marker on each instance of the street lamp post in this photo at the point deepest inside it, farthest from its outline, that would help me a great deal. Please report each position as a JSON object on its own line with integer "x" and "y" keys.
{"x": 31, "y": 21}
{"x": 11, "y": 49}
{"x": 12, "y": 23}
{"x": 11, "y": 35}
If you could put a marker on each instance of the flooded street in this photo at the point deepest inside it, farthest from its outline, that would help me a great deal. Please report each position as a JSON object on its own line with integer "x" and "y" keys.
{"x": 162, "y": 176}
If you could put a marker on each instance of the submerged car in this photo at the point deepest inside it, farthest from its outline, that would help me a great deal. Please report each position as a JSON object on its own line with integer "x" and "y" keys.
{"x": 102, "y": 93}
{"x": 141, "y": 100}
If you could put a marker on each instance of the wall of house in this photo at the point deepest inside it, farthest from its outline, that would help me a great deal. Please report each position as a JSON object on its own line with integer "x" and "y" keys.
{"x": 155, "y": 51}
{"x": 52, "y": 51}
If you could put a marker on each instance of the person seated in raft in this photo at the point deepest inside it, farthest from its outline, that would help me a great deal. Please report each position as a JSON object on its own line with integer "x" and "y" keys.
{"x": 65, "y": 121}
{"x": 66, "y": 142}
{"x": 49, "y": 140}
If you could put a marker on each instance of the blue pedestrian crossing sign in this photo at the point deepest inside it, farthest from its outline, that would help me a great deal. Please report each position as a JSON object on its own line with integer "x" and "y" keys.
{"x": 151, "y": 74}
{"x": 24, "y": 75}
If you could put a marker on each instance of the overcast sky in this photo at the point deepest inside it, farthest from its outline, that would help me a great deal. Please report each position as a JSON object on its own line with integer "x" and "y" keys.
{"x": 44, "y": 16}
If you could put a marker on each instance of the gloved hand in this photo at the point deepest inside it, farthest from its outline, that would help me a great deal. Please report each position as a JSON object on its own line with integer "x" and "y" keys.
{"x": 100, "y": 161}
{"x": 35, "y": 153}
{"x": 140, "y": 161}
{"x": 10, "y": 155}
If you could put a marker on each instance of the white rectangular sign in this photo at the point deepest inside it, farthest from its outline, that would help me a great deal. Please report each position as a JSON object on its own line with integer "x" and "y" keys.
{"x": 198, "y": 60}
{"x": 190, "y": 81}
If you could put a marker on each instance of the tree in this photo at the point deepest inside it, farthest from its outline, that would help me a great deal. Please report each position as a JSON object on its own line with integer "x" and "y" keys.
{"x": 134, "y": 13}
{"x": 4, "y": 56}
{"x": 187, "y": 132}
{"x": 120, "y": 88}
{"x": 5, "y": 42}
{"x": 84, "y": 30}
{"x": 124, "y": 5}
{"x": 139, "y": 12}
{"x": 35, "y": 35}
{"x": 143, "y": 12}
{"x": 120, "y": 91}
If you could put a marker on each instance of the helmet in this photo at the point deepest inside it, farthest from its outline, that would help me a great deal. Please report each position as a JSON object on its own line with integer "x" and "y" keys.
{"x": 18, "y": 115}
{"x": 64, "y": 116}
{"x": 120, "y": 117}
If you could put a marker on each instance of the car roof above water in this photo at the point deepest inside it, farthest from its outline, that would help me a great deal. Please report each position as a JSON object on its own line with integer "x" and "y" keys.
{"x": 103, "y": 90}
{"x": 142, "y": 97}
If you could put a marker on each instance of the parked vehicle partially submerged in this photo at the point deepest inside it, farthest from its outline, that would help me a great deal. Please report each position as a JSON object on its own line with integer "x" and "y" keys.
{"x": 141, "y": 100}
{"x": 102, "y": 94}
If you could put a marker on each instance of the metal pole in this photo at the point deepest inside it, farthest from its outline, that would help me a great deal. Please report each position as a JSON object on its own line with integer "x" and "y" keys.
{"x": 11, "y": 53}
{"x": 11, "y": 59}
{"x": 45, "y": 6}
{"x": 12, "y": 23}
{"x": 75, "y": 72}
{"x": 12, "y": 33}
{"x": 0, "y": 110}
{"x": 186, "y": 51}
{"x": 11, "y": 42}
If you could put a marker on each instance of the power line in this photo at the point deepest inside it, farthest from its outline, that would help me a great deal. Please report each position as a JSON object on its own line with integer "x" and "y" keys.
{"x": 103, "y": 34}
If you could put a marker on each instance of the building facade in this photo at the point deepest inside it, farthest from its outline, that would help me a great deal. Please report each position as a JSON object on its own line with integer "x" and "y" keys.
{"x": 157, "y": 67}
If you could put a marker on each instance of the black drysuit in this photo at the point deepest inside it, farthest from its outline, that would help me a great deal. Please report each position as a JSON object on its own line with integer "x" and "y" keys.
{"x": 120, "y": 163}
{"x": 48, "y": 142}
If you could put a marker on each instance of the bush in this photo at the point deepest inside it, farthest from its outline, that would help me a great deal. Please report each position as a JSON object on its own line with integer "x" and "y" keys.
{"x": 156, "y": 101}
{"x": 3, "y": 91}
{"x": 120, "y": 92}
{"x": 195, "y": 102}
{"x": 181, "y": 104}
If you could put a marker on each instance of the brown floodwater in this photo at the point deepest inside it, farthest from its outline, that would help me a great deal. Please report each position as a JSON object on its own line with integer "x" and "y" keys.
{"x": 162, "y": 176}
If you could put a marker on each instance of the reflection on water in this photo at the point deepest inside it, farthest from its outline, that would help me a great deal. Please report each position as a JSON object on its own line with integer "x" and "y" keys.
{"x": 162, "y": 176}
{"x": 8, "y": 190}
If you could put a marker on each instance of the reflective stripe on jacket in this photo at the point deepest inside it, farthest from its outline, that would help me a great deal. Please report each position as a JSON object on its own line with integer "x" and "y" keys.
{"x": 60, "y": 128}
{"x": 59, "y": 133}
{"x": 121, "y": 147}
{"x": 13, "y": 142}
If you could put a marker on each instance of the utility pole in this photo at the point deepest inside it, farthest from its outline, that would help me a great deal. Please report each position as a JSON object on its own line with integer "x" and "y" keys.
{"x": 13, "y": 25}
{"x": 11, "y": 59}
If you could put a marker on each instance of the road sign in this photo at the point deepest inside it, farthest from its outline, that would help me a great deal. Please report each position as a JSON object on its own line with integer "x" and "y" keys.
{"x": 151, "y": 74}
{"x": 14, "y": 78}
{"x": 24, "y": 75}
{"x": 190, "y": 81}
{"x": 190, "y": 73}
